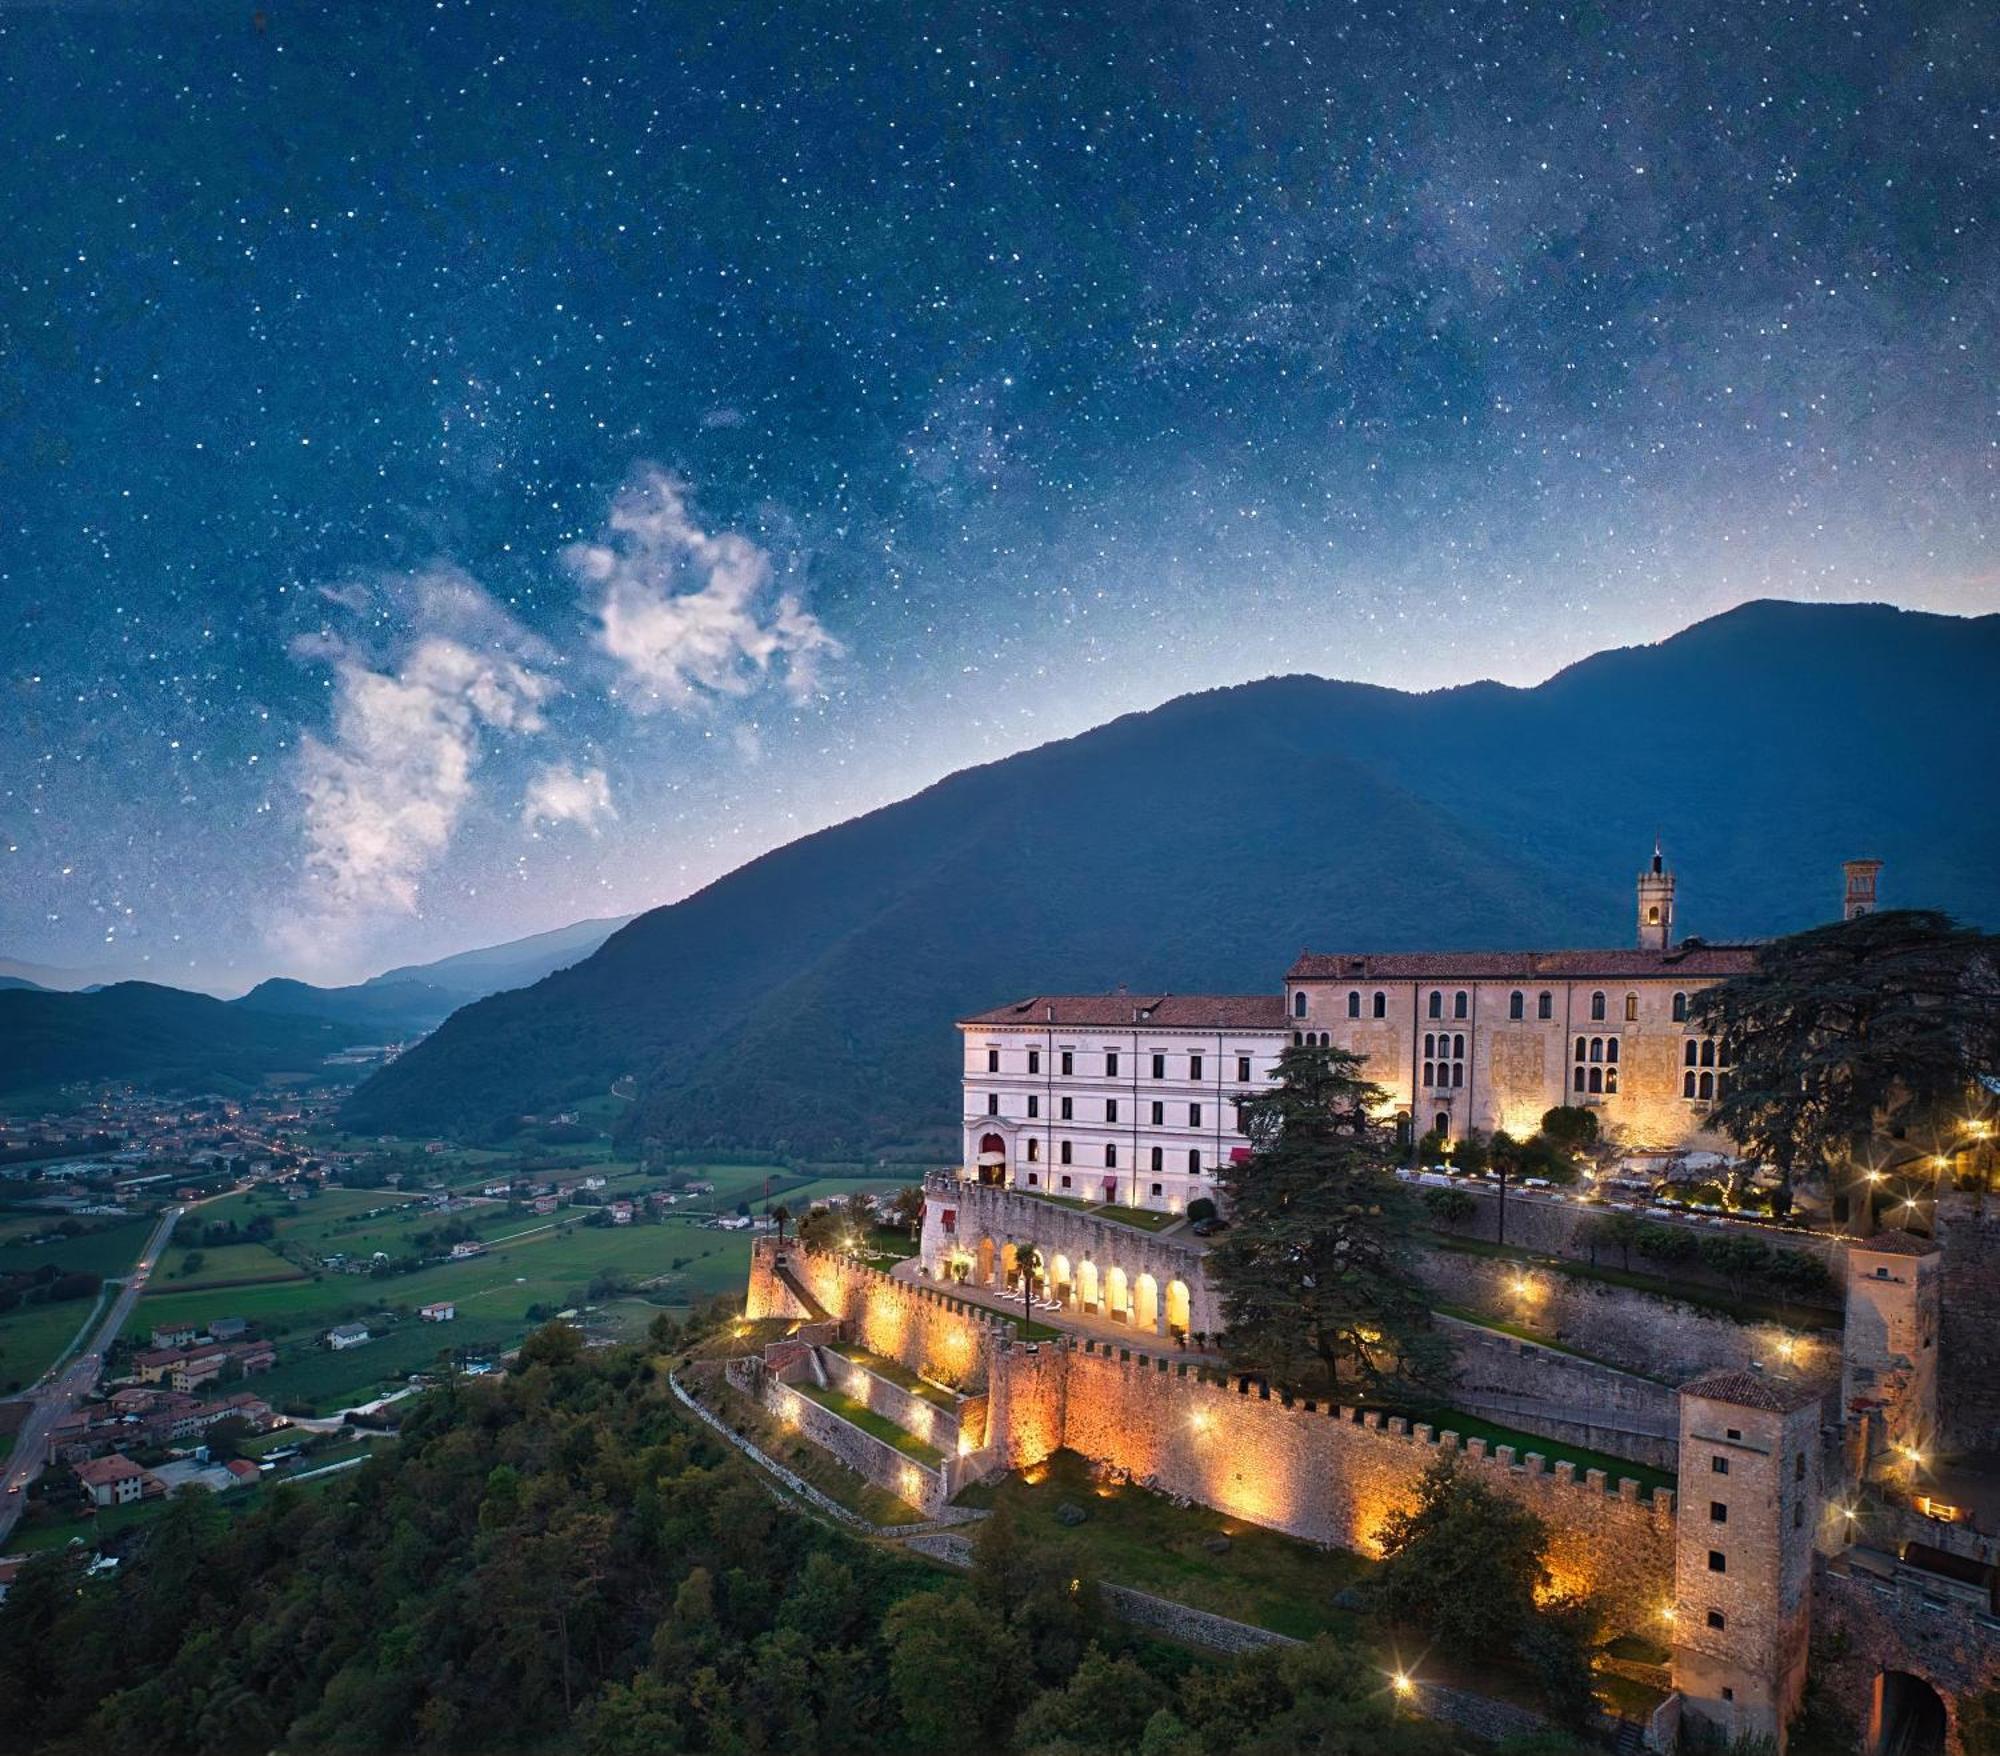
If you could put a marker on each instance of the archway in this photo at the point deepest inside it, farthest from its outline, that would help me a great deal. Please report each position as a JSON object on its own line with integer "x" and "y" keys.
{"x": 1177, "y": 1307}
{"x": 992, "y": 1159}
{"x": 1908, "y": 1717}
{"x": 983, "y": 1270}
{"x": 1086, "y": 1284}
{"x": 1146, "y": 1303}
{"x": 1117, "y": 1301}
{"x": 1007, "y": 1265}
{"x": 1060, "y": 1277}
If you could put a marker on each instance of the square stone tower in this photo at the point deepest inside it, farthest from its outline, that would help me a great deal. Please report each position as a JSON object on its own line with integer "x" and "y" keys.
{"x": 1749, "y": 1498}
{"x": 1889, "y": 1357}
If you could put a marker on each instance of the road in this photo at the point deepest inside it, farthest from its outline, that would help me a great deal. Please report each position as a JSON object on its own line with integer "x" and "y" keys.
{"x": 67, "y": 1384}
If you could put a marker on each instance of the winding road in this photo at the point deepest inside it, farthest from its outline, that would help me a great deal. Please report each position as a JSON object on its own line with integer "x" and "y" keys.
{"x": 68, "y": 1382}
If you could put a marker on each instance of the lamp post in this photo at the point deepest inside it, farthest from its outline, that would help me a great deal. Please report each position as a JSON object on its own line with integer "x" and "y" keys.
{"x": 1030, "y": 1258}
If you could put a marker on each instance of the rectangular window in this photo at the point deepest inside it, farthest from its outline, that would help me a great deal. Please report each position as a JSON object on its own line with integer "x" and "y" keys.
{"x": 1111, "y": 1065}
{"x": 1718, "y": 1512}
{"x": 1194, "y": 1115}
{"x": 1111, "y": 1109}
{"x": 992, "y": 1060}
{"x": 1065, "y": 1153}
{"x": 1111, "y": 1158}
{"x": 1065, "y": 1181}
{"x": 1068, "y": 1063}
{"x": 1545, "y": 1006}
{"x": 1159, "y": 1067}
{"x": 1069, "y": 1109}
{"x": 1242, "y": 1069}
{"x": 1034, "y": 1104}
{"x": 1159, "y": 1159}
{"x": 1194, "y": 1067}
{"x": 1799, "y": 1515}
{"x": 1242, "y": 1120}
{"x": 1716, "y": 1619}
{"x": 1719, "y": 1465}
{"x": 1033, "y": 1179}
{"x": 1034, "y": 1060}
{"x": 993, "y": 1103}
{"x": 1717, "y": 1563}
{"x": 1156, "y": 1188}
{"x": 1034, "y": 1149}
{"x": 1159, "y": 1115}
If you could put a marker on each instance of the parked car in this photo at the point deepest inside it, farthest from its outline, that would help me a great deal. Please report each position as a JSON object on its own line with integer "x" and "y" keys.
{"x": 1207, "y": 1228}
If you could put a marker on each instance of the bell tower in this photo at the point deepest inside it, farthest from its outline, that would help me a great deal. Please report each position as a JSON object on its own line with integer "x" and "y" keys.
{"x": 1859, "y": 899}
{"x": 1656, "y": 905}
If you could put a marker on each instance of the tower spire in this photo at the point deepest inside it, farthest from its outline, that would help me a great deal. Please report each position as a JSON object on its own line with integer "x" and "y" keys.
{"x": 1656, "y": 903}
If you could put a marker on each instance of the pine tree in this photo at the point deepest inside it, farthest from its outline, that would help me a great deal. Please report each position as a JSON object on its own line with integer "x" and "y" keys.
{"x": 1313, "y": 1273}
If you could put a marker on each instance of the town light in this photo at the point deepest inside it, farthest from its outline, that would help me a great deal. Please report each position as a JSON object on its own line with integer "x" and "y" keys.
{"x": 1401, "y": 1683}
{"x": 1667, "y": 1613}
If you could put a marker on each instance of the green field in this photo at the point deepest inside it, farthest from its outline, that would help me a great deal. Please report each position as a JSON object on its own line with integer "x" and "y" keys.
{"x": 102, "y": 1253}
{"x": 221, "y": 1266}
{"x": 530, "y": 1261}
{"x": 32, "y": 1337}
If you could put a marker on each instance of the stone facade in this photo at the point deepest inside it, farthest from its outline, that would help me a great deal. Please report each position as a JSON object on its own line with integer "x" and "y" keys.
{"x": 974, "y": 1232}
{"x": 1968, "y": 1229}
{"x": 1890, "y": 1354}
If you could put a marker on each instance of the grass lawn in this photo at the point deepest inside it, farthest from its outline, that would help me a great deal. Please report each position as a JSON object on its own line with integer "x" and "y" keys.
{"x": 1553, "y": 1450}
{"x": 799, "y": 1455}
{"x": 224, "y": 1266}
{"x": 899, "y": 1375}
{"x": 880, "y": 1426}
{"x": 1138, "y": 1538}
{"x": 1145, "y": 1220}
{"x": 32, "y": 1336}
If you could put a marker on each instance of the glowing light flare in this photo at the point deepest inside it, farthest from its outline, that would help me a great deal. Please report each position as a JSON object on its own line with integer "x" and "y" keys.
{"x": 1403, "y": 1683}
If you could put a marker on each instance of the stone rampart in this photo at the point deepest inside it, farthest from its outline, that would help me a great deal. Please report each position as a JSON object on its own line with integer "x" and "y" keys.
{"x": 1651, "y": 1334}
{"x": 1562, "y": 1397}
{"x": 1968, "y": 1228}
{"x": 1331, "y": 1476}
{"x": 915, "y": 1414}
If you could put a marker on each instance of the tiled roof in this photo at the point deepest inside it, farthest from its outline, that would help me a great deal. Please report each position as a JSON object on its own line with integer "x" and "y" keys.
{"x": 1894, "y": 1243}
{"x": 1752, "y": 1390}
{"x": 101, "y": 1472}
{"x": 1520, "y": 966}
{"x": 1125, "y": 1011}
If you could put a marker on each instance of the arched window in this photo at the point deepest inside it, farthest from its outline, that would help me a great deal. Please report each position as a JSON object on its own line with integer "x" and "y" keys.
{"x": 1458, "y": 1073}
{"x": 1611, "y": 1080}
{"x": 1582, "y": 1050}
{"x": 1458, "y": 1004}
{"x": 1354, "y": 1003}
{"x": 1430, "y": 1073}
{"x": 1159, "y": 1159}
{"x": 1430, "y": 1044}
{"x": 1517, "y": 1004}
{"x": 1299, "y": 1004}
{"x": 1611, "y": 1049}
{"x": 1578, "y": 1081}
{"x": 1597, "y": 1079}
{"x": 1708, "y": 1052}
{"x": 1545, "y": 1005}
{"x": 1298, "y": 1039}
{"x": 1381, "y": 1004}
{"x": 1597, "y": 1048}
{"x": 1631, "y": 1008}
{"x": 1707, "y": 1085}
{"x": 1458, "y": 1046}
{"x": 1680, "y": 1009}
{"x": 1721, "y": 1086}
{"x": 1444, "y": 1123}
{"x": 1111, "y": 1158}
{"x": 1596, "y": 1008}
{"x": 1034, "y": 1149}
{"x": 1194, "y": 1162}
{"x": 1689, "y": 1055}
{"x": 1437, "y": 1004}
{"x": 1687, "y": 1085}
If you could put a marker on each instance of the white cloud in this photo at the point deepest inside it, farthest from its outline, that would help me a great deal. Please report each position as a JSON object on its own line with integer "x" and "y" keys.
{"x": 689, "y": 615}
{"x": 383, "y": 794}
{"x": 559, "y": 794}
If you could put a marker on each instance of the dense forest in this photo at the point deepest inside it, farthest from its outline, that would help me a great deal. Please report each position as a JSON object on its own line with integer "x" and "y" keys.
{"x": 564, "y": 1560}
{"x": 804, "y": 1002}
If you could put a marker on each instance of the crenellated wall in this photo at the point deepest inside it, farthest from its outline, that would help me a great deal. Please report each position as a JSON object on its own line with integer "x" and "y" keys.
{"x": 1333, "y": 1476}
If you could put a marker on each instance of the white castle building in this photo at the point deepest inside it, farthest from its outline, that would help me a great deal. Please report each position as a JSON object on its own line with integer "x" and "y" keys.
{"x": 1134, "y": 1099}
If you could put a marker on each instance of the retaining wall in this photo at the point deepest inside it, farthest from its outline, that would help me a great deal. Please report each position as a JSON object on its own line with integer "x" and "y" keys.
{"x": 913, "y": 1413}
{"x": 1968, "y": 1229}
{"x": 1647, "y": 1333}
{"x": 1333, "y": 1477}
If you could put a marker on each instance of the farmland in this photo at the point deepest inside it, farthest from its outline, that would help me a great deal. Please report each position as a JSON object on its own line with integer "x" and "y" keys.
{"x": 33, "y": 1335}
{"x": 532, "y": 1265}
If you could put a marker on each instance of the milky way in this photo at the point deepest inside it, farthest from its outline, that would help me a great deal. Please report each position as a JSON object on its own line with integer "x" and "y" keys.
{"x": 465, "y": 468}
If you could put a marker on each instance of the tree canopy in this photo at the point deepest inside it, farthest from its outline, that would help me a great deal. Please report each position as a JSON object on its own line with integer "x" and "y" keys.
{"x": 1882, "y": 1022}
{"x": 1316, "y": 1288}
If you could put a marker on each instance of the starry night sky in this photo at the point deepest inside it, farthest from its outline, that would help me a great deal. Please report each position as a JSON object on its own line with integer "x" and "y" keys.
{"x": 467, "y": 468}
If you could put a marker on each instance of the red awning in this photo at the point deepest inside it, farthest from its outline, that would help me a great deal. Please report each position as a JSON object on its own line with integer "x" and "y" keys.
{"x": 1237, "y": 1154}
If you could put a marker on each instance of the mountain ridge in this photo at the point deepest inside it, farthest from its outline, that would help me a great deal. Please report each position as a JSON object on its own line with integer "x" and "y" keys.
{"x": 804, "y": 1000}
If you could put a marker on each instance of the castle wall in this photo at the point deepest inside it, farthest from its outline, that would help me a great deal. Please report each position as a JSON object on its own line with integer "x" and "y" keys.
{"x": 1329, "y": 1477}
{"x": 1968, "y": 1229}
{"x": 1569, "y": 1400}
{"x": 1646, "y": 1333}
{"x": 913, "y": 1413}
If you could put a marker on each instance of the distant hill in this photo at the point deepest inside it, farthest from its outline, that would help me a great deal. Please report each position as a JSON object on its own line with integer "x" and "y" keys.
{"x": 806, "y": 1000}
{"x": 387, "y": 1009}
{"x": 471, "y": 975}
{"x": 23, "y": 983}
{"x": 162, "y": 1037}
